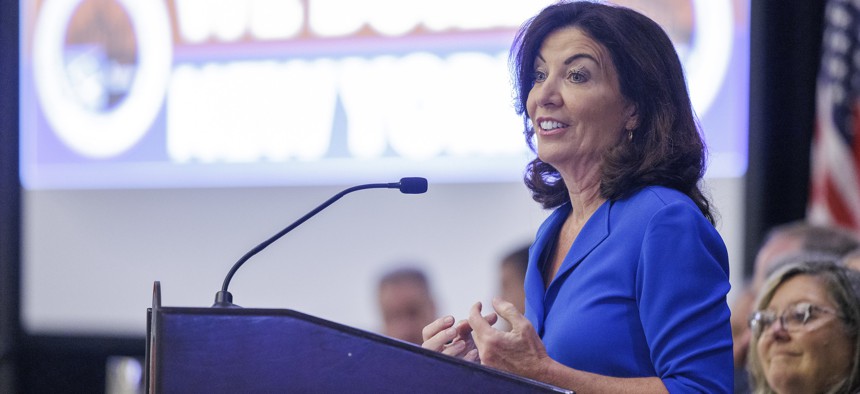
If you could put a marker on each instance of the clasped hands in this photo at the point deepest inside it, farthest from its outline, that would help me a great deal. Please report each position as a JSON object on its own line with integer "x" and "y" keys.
{"x": 519, "y": 351}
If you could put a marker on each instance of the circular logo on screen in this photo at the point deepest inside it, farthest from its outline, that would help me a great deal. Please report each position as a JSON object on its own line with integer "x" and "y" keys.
{"x": 707, "y": 63}
{"x": 703, "y": 34}
{"x": 101, "y": 68}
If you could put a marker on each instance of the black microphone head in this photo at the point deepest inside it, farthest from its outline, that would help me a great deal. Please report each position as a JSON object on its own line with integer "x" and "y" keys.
{"x": 413, "y": 185}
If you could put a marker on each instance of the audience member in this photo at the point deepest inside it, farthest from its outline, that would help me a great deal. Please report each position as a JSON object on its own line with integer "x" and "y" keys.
{"x": 852, "y": 259}
{"x": 513, "y": 274}
{"x": 405, "y": 303}
{"x": 799, "y": 235}
{"x": 805, "y": 329}
{"x": 780, "y": 242}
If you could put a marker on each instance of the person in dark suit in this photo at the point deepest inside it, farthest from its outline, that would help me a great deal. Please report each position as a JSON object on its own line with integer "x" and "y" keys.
{"x": 627, "y": 278}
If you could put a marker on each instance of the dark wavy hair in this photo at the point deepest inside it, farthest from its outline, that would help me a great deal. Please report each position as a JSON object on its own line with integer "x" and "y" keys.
{"x": 667, "y": 148}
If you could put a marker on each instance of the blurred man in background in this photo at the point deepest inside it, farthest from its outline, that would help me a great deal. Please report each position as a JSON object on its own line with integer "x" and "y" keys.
{"x": 852, "y": 259}
{"x": 405, "y": 303}
{"x": 513, "y": 274}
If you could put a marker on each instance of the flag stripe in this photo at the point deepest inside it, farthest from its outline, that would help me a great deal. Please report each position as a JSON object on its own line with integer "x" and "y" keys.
{"x": 839, "y": 210}
{"x": 835, "y": 168}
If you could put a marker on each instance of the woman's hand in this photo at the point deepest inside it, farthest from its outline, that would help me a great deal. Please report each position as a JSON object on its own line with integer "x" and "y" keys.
{"x": 442, "y": 335}
{"x": 519, "y": 351}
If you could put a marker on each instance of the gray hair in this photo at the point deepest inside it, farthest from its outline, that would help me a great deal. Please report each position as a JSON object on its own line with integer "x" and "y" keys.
{"x": 843, "y": 286}
{"x": 817, "y": 238}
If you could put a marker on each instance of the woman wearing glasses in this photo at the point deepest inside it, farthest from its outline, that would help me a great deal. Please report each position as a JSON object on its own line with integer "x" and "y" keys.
{"x": 805, "y": 330}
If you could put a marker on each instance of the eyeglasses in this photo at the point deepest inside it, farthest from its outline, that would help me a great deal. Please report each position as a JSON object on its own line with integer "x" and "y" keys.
{"x": 792, "y": 318}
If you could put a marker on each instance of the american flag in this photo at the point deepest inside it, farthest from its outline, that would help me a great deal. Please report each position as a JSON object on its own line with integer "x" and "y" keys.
{"x": 835, "y": 161}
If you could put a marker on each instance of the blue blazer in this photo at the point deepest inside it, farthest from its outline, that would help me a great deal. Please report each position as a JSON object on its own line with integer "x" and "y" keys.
{"x": 641, "y": 293}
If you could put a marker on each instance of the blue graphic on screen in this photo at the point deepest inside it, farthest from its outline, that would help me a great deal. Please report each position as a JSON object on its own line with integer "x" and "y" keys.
{"x": 190, "y": 93}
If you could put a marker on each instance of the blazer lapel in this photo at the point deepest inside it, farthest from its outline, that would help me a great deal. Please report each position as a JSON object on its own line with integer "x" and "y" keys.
{"x": 596, "y": 230}
{"x": 534, "y": 286}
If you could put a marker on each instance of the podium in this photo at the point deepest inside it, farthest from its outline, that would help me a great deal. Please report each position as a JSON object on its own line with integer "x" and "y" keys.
{"x": 245, "y": 350}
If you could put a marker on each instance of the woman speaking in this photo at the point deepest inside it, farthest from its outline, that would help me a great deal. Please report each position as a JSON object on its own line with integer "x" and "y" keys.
{"x": 627, "y": 278}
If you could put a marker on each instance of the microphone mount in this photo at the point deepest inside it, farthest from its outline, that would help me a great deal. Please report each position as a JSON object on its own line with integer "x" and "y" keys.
{"x": 410, "y": 185}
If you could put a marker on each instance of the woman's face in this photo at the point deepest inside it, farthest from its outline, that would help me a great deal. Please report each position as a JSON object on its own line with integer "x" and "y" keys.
{"x": 813, "y": 357}
{"x": 575, "y": 105}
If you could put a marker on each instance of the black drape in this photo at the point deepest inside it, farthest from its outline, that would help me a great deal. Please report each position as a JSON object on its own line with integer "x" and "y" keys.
{"x": 785, "y": 46}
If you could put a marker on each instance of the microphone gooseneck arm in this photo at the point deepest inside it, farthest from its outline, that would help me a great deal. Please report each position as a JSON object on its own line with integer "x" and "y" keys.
{"x": 223, "y": 298}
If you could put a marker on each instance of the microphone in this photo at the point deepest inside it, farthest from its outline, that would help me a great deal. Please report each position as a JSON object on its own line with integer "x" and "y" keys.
{"x": 410, "y": 185}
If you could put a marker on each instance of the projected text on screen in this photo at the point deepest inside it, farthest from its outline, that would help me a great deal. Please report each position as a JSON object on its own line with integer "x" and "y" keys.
{"x": 146, "y": 93}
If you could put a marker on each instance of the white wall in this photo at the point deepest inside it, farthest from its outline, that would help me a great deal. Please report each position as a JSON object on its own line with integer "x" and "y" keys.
{"x": 90, "y": 257}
